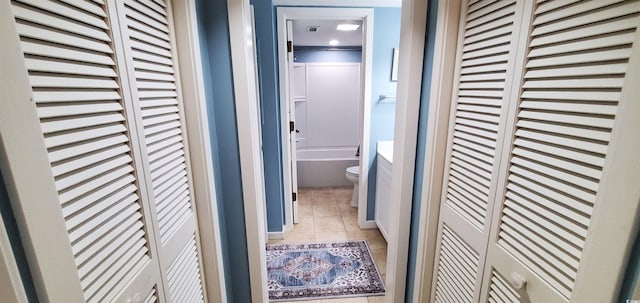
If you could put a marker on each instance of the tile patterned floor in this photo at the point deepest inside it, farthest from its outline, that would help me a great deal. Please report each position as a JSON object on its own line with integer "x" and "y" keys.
{"x": 326, "y": 215}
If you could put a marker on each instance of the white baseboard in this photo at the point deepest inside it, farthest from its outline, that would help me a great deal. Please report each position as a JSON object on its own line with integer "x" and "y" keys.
{"x": 369, "y": 224}
{"x": 278, "y": 235}
{"x": 288, "y": 227}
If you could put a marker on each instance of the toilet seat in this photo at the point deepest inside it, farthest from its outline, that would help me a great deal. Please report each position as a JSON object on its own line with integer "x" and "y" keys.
{"x": 353, "y": 170}
{"x": 353, "y": 175}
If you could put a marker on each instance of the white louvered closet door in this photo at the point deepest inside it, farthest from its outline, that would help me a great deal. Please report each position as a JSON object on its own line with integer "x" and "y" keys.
{"x": 97, "y": 206}
{"x": 558, "y": 161}
{"x": 149, "y": 48}
{"x": 485, "y": 59}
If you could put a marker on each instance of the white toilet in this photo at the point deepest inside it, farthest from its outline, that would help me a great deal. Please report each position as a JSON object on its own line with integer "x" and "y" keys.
{"x": 353, "y": 175}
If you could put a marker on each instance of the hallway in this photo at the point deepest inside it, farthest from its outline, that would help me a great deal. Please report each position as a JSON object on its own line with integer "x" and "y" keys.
{"x": 163, "y": 147}
{"x": 327, "y": 216}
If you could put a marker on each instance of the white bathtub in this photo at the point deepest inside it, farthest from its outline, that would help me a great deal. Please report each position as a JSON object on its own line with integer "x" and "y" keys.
{"x": 325, "y": 167}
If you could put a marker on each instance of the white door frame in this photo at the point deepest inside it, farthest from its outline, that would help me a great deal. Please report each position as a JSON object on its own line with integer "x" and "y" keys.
{"x": 292, "y": 137}
{"x": 442, "y": 75}
{"x": 410, "y": 63}
{"x": 413, "y": 26}
{"x": 197, "y": 123}
{"x": 302, "y": 13}
{"x": 10, "y": 280}
{"x": 412, "y": 37}
{"x": 247, "y": 113}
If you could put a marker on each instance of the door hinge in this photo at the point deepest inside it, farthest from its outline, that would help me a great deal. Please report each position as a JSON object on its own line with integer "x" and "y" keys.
{"x": 292, "y": 126}
{"x": 289, "y": 46}
{"x": 294, "y": 196}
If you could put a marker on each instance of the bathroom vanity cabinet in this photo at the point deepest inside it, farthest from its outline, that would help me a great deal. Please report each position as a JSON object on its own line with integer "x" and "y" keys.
{"x": 383, "y": 186}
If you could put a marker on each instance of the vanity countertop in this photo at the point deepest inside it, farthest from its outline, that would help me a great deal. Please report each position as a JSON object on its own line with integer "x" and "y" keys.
{"x": 385, "y": 149}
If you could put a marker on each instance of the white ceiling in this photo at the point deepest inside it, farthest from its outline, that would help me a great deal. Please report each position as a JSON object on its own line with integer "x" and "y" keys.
{"x": 326, "y": 33}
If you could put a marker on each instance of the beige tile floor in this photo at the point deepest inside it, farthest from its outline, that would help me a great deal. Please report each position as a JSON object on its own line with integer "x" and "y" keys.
{"x": 326, "y": 215}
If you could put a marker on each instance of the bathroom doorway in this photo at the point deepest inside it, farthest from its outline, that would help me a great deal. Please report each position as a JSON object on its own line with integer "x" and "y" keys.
{"x": 405, "y": 127}
{"x": 327, "y": 148}
{"x": 325, "y": 105}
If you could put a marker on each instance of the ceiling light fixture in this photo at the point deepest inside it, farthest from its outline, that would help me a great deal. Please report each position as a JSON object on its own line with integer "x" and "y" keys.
{"x": 347, "y": 27}
{"x": 334, "y": 42}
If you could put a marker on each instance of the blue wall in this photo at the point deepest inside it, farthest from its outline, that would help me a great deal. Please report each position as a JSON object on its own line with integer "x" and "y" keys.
{"x": 216, "y": 57}
{"x": 386, "y": 37}
{"x": 10, "y": 224}
{"x": 313, "y": 54}
{"x": 427, "y": 67}
{"x": 267, "y": 53}
{"x": 632, "y": 274}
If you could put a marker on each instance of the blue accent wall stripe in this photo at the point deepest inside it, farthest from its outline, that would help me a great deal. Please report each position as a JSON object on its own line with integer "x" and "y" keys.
{"x": 314, "y": 55}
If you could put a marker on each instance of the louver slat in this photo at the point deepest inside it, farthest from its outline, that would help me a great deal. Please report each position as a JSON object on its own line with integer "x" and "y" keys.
{"x": 152, "y": 297}
{"x": 147, "y": 12}
{"x": 135, "y": 44}
{"x": 85, "y": 15}
{"x": 143, "y": 18}
{"x": 148, "y": 29}
{"x": 574, "y": 75}
{"x": 500, "y": 290}
{"x": 127, "y": 227}
{"x": 60, "y": 23}
{"x": 66, "y": 67}
{"x": 90, "y": 7}
{"x": 457, "y": 269}
{"x": 69, "y": 56}
{"x": 34, "y": 31}
{"x": 184, "y": 275}
{"x": 38, "y": 49}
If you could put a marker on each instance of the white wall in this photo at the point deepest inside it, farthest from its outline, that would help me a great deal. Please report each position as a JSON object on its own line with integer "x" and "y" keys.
{"x": 328, "y": 118}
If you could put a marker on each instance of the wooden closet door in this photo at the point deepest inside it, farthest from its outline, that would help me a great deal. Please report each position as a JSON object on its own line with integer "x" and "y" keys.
{"x": 570, "y": 189}
{"x": 71, "y": 153}
{"x": 484, "y": 69}
{"x": 151, "y": 61}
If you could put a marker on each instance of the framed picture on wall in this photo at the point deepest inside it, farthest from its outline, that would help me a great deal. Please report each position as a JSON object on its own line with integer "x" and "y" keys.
{"x": 394, "y": 65}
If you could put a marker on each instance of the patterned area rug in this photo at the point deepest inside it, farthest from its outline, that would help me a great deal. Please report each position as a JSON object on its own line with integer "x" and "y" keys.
{"x": 321, "y": 270}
